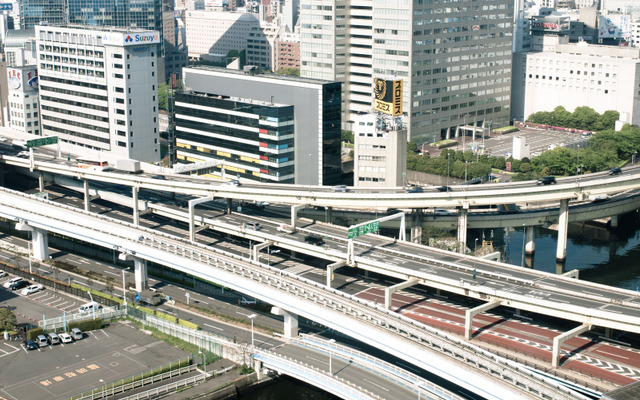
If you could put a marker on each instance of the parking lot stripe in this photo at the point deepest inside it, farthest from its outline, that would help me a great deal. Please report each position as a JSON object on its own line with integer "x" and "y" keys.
{"x": 7, "y": 344}
{"x": 104, "y": 332}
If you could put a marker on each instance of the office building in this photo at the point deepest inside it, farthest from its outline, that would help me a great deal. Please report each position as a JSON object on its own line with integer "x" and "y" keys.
{"x": 98, "y": 90}
{"x": 244, "y": 119}
{"x": 20, "y": 93}
{"x": 380, "y": 151}
{"x": 288, "y": 51}
{"x": 216, "y": 32}
{"x": 454, "y": 58}
{"x": 251, "y": 139}
{"x": 35, "y": 12}
{"x": 578, "y": 74}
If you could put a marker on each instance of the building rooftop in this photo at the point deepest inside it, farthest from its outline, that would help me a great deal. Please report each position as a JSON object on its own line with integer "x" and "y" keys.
{"x": 269, "y": 75}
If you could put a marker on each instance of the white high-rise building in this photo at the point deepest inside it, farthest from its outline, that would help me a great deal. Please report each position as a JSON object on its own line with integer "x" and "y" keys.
{"x": 99, "y": 91}
{"x": 454, "y": 58}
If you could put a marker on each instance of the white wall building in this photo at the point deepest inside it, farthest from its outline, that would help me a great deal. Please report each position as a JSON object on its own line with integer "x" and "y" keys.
{"x": 99, "y": 91}
{"x": 217, "y": 32}
{"x": 380, "y": 151}
{"x": 578, "y": 74}
{"x": 23, "y": 111}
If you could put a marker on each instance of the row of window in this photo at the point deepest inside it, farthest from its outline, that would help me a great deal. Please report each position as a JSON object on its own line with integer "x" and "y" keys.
{"x": 370, "y": 179}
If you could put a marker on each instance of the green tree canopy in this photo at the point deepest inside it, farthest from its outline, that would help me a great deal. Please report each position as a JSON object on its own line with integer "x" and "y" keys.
{"x": 7, "y": 320}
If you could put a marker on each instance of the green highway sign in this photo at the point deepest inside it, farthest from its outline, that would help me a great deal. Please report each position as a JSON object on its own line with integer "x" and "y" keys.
{"x": 42, "y": 141}
{"x": 363, "y": 229}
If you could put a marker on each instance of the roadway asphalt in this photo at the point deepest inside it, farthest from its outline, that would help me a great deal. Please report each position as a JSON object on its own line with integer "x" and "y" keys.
{"x": 320, "y": 275}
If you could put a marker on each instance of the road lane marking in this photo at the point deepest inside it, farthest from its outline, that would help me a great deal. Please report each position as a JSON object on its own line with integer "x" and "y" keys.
{"x": 612, "y": 354}
{"x": 111, "y": 273}
{"x": 214, "y": 327}
{"x": 320, "y": 361}
{"x": 375, "y": 384}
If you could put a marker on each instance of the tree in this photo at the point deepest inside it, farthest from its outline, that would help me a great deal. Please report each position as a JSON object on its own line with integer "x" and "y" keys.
{"x": 584, "y": 118}
{"x": 109, "y": 285}
{"x": 7, "y": 320}
{"x": 347, "y": 136}
{"x": 561, "y": 117}
{"x": 608, "y": 120}
{"x": 163, "y": 89}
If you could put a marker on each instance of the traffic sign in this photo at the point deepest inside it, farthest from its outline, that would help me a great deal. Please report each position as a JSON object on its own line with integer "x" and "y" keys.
{"x": 42, "y": 141}
{"x": 363, "y": 229}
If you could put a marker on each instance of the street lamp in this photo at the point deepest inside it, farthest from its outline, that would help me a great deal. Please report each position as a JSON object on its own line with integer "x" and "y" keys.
{"x": 331, "y": 341}
{"x": 124, "y": 287}
{"x": 578, "y": 163}
{"x": 475, "y": 246}
{"x": 251, "y": 317}
{"x": 29, "y": 255}
{"x": 103, "y": 387}
{"x": 204, "y": 363}
{"x": 93, "y": 308}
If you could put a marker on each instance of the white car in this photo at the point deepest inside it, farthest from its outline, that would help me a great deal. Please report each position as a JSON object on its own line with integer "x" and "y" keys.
{"x": 65, "y": 337}
{"x": 11, "y": 281}
{"x": 2, "y": 274}
{"x": 32, "y": 289}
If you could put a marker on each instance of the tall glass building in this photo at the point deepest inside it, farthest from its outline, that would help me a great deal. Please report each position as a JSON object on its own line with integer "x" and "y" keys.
{"x": 454, "y": 57}
{"x": 35, "y": 12}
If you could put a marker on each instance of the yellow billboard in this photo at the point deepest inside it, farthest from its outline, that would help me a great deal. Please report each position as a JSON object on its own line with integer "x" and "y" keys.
{"x": 388, "y": 96}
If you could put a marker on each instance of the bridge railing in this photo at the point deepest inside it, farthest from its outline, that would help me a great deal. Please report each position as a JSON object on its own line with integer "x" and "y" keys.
{"x": 302, "y": 370}
{"x": 383, "y": 368}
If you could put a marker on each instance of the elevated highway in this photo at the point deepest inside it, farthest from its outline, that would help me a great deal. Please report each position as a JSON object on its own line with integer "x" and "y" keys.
{"x": 457, "y": 361}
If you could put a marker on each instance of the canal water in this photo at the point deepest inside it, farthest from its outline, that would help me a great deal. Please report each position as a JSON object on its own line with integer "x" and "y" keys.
{"x": 602, "y": 256}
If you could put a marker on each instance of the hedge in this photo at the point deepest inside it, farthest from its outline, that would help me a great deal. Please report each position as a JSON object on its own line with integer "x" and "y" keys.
{"x": 32, "y": 334}
{"x": 86, "y": 325}
{"x": 506, "y": 129}
{"x": 445, "y": 143}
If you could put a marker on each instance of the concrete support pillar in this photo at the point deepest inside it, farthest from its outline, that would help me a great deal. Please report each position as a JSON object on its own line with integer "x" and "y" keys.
{"x": 87, "y": 197}
{"x": 389, "y": 291}
{"x": 558, "y": 340}
{"x": 192, "y": 204}
{"x": 530, "y": 232}
{"x": 294, "y": 215}
{"x": 563, "y": 227}
{"x": 463, "y": 214}
{"x": 608, "y": 332}
{"x": 457, "y": 130}
{"x": 229, "y": 206}
{"x": 448, "y": 134}
{"x": 416, "y": 225}
{"x": 331, "y": 268}
{"x": 257, "y": 366}
{"x": 39, "y": 240}
{"x": 469, "y": 314}
{"x": 614, "y": 221}
{"x": 41, "y": 181}
{"x": 136, "y": 213}
{"x": 40, "y": 244}
{"x": 290, "y": 321}
{"x": 328, "y": 215}
{"x": 140, "y": 265}
{"x": 255, "y": 251}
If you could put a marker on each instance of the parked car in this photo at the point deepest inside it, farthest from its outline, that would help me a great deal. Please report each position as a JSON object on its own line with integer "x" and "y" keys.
{"x": 30, "y": 345}
{"x": 615, "y": 171}
{"x": 11, "y": 281}
{"x": 77, "y": 334}
{"x": 315, "y": 240}
{"x": 32, "y": 289}
{"x": 547, "y": 180}
{"x": 65, "y": 337}
{"x": 88, "y": 307}
{"x": 53, "y": 338}
{"x": 415, "y": 189}
{"x": 2, "y": 274}
{"x": 443, "y": 189}
{"x": 42, "y": 341}
{"x": 19, "y": 285}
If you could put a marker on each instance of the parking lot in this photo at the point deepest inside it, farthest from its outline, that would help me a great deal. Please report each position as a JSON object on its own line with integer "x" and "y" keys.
{"x": 60, "y": 371}
{"x": 538, "y": 141}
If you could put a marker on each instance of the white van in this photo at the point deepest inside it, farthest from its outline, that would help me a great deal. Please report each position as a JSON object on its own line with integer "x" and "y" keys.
{"x": 53, "y": 338}
{"x": 76, "y": 334}
{"x": 90, "y": 307}
{"x": 41, "y": 341}
{"x": 11, "y": 281}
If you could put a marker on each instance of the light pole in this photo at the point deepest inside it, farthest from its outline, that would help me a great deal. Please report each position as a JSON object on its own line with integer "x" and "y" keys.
{"x": 331, "y": 341}
{"x": 93, "y": 308}
{"x": 464, "y": 132}
{"x": 578, "y": 162}
{"x": 251, "y": 317}
{"x": 103, "y": 384}
{"x": 475, "y": 246}
{"x": 124, "y": 287}
{"x": 448, "y": 167}
{"x": 29, "y": 255}
{"x": 524, "y": 235}
{"x": 204, "y": 363}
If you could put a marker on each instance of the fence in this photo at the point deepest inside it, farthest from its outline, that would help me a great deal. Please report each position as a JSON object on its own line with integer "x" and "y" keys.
{"x": 148, "y": 377}
{"x": 60, "y": 323}
{"x": 169, "y": 388}
{"x": 206, "y": 341}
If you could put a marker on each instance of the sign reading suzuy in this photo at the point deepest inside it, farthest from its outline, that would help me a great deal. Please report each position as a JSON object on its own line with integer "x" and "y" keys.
{"x": 42, "y": 141}
{"x": 369, "y": 227}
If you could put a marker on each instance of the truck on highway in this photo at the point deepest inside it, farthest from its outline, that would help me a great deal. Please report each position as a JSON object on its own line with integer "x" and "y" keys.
{"x": 128, "y": 165}
{"x": 149, "y": 297}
